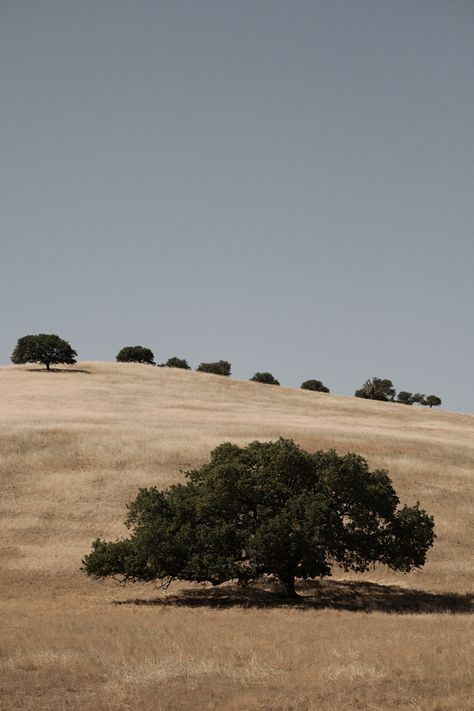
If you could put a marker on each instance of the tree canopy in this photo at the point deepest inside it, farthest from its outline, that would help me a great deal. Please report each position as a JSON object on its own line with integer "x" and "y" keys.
{"x": 266, "y": 378}
{"x": 405, "y": 397}
{"x": 220, "y": 367}
{"x": 175, "y": 362}
{"x": 136, "y": 354}
{"x": 376, "y": 389}
{"x": 46, "y": 348}
{"x": 269, "y": 508}
{"x": 432, "y": 401}
{"x": 315, "y": 385}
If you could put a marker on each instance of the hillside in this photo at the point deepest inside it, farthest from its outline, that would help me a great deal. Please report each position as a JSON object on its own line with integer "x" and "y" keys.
{"x": 75, "y": 446}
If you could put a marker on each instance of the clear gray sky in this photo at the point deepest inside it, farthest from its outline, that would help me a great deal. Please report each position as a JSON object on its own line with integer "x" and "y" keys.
{"x": 285, "y": 185}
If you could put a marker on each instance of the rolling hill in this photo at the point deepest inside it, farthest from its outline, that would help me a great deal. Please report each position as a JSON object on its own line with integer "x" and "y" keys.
{"x": 75, "y": 445}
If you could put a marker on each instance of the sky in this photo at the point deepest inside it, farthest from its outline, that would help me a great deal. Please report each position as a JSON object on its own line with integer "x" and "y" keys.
{"x": 285, "y": 185}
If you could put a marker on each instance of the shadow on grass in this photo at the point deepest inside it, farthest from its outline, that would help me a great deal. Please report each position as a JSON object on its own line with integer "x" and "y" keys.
{"x": 57, "y": 370}
{"x": 336, "y": 595}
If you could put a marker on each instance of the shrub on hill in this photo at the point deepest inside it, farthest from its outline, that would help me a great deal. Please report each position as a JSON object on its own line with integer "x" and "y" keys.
{"x": 432, "y": 401}
{"x": 376, "y": 389}
{"x": 405, "y": 398}
{"x": 269, "y": 508}
{"x": 418, "y": 398}
{"x": 266, "y": 378}
{"x": 315, "y": 385}
{"x": 135, "y": 354}
{"x": 426, "y": 400}
{"x": 221, "y": 367}
{"x": 45, "y": 348}
{"x": 175, "y": 362}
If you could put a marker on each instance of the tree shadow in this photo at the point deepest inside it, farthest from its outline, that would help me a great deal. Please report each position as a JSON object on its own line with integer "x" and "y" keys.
{"x": 352, "y": 596}
{"x": 57, "y": 370}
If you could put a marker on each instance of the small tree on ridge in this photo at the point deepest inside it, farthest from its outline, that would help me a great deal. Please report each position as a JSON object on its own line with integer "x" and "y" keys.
{"x": 266, "y": 378}
{"x": 432, "y": 401}
{"x": 45, "y": 348}
{"x": 175, "y": 362}
{"x": 220, "y": 367}
{"x": 135, "y": 354}
{"x": 376, "y": 389}
{"x": 405, "y": 398}
{"x": 315, "y": 385}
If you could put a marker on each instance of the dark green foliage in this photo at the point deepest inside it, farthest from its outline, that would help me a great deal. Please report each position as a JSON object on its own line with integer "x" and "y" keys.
{"x": 177, "y": 363}
{"x": 266, "y": 378}
{"x": 315, "y": 385}
{"x": 222, "y": 367}
{"x": 419, "y": 399}
{"x": 136, "y": 354}
{"x": 267, "y": 509}
{"x": 432, "y": 401}
{"x": 405, "y": 397}
{"x": 376, "y": 389}
{"x": 46, "y": 348}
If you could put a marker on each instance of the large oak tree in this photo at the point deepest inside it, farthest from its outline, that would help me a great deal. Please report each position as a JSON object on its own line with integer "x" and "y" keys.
{"x": 267, "y": 509}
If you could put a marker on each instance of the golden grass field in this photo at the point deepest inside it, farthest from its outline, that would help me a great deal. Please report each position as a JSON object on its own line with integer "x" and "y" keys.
{"x": 75, "y": 447}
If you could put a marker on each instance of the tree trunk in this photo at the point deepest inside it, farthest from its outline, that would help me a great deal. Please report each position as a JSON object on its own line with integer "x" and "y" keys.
{"x": 47, "y": 366}
{"x": 288, "y": 584}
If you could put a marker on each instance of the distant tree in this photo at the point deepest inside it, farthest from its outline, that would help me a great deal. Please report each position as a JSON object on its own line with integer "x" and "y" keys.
{"x": 221, "y": 367}
{"x": 405, "y": 397}
{"x": 266, "y": 378}
{"x": 136, "y": 354}
{"x": 315, "y": 385}
{"x": 432, "y": 401}
{"x": 419, "y": 399}
{"x": 269, "y": 508}
{"x": 376, "y": 389}
{"x": 175, "y": 362}
{"x": 45, "y": 348}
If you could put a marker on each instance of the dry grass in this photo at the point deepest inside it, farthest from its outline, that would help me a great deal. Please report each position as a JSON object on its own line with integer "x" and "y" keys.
{"x": 75, "y": 447}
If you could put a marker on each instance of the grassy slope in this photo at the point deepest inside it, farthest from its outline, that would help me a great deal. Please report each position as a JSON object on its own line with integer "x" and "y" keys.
{"x": 74, "y": 449}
